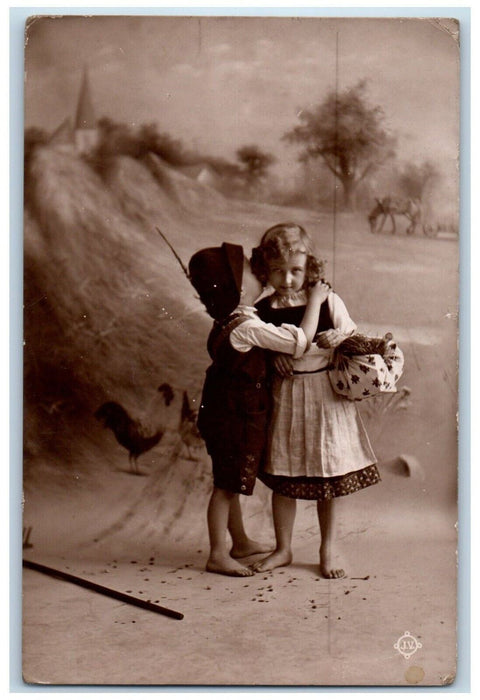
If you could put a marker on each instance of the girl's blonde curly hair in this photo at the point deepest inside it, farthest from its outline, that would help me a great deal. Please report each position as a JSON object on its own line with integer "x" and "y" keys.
{"x": 278, "y": 243}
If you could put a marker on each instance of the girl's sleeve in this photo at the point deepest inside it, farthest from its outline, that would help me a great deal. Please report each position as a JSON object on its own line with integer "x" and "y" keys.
{"x": 340, "y": 317}
{"x": 287, "y": 338}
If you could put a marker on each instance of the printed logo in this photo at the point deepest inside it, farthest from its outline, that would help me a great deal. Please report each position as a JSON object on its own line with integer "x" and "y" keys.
{"x": 407, "y": 645}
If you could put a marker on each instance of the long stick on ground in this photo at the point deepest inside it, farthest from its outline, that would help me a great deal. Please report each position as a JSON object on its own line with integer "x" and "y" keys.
{"x": 131, "y": 600}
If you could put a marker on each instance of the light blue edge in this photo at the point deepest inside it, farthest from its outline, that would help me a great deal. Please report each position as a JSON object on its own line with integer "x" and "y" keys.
{"x": 18, "y": 16}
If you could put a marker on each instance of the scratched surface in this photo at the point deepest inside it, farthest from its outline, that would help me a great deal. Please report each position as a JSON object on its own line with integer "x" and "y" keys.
{"x": 109, "y": 315}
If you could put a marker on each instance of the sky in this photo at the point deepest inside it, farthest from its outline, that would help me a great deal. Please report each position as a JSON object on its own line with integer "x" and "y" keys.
{"x": 219, "y": 83}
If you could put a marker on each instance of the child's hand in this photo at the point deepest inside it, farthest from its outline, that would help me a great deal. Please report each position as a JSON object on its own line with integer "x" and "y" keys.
{"x": 319, "y": 289}
{"x": 330, "y": 338}
{"x": 283, "y": 365}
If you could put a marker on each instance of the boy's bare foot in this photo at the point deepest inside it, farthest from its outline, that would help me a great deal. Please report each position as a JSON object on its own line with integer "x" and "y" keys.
{"x": 249, "y": 547}
{"x": 274, "y": 561}
{"x": 227, "y": 566}
{"x": 330, "y": 567}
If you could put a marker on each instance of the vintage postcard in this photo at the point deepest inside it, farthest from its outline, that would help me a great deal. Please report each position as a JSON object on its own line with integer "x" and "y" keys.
{"x": 241, "y": 256}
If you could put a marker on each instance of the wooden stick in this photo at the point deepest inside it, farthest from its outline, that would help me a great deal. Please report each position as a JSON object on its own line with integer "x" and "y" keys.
{"x": 174, "y": 252}
{"x": 131, "y": 600}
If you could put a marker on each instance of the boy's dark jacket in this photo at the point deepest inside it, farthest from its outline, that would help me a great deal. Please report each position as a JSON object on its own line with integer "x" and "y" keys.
{"x": 233, "y": 415}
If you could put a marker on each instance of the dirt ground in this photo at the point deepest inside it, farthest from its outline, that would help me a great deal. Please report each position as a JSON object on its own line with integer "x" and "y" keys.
{"x": 286, "y": 627}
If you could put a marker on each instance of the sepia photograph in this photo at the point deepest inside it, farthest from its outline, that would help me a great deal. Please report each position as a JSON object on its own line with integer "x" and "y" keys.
{"x": 241, "y": 282}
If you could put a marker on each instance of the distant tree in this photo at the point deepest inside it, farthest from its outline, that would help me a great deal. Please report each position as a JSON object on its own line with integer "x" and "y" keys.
{"x": 170, "y": 149}
{"x": 108, "y": 126}
{"x": 223, "y": 167}
{"x": 117, "y": 138}
{"x": 414, "y": 179}
{"x": 254, "y": 163}
{"x": 348, "y": 134}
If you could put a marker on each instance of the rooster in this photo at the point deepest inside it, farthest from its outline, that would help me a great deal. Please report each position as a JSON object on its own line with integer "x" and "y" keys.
{"x": 189, "y": 433}
{"x": 130, "y": 433}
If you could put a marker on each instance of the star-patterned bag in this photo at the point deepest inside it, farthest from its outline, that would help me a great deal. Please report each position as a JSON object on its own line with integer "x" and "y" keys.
{"x": 361, "y": 376}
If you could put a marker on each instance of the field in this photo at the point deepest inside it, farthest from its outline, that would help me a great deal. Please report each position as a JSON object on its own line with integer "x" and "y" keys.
{"x": 109, "y": 315}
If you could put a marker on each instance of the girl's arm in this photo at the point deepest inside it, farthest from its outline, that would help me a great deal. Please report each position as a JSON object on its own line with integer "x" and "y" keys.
{"x": 287, "y": 339}
{"x": 316, "y": 297}
{"x": 253, "y": 332}
{"x": 343, "y": 326}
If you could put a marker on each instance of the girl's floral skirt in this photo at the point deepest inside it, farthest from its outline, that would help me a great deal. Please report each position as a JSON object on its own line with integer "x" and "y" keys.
{"x": 321, "y": 488}
{"x": 318, "y": 445}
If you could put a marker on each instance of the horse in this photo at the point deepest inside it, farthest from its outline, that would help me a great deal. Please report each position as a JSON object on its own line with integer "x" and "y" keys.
{"x": 392, "y": 206}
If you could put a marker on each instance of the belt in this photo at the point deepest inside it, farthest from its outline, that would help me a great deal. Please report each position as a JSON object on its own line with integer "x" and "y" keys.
{"x": 313, "y": 371}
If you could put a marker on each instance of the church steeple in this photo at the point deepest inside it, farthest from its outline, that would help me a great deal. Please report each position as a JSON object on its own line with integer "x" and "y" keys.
{"x": 85, "y": 117}
{"x": 85, "y": 124}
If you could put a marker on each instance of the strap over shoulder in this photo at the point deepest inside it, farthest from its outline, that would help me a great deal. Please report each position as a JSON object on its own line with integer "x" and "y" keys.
{"x": 221, "y": 332}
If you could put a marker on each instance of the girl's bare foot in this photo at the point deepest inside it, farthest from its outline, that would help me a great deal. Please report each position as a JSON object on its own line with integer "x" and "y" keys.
{"x": 227, "y": 566}
{"x": 274, "y": 561}
{"x": 249, "y": 547}
{"x": 330, "y": 567}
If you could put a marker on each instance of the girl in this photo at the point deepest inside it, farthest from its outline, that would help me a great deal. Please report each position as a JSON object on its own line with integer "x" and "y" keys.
{"x": 318, "y": 446}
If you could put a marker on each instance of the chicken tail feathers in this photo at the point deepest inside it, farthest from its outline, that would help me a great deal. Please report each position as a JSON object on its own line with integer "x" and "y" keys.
{"x": 110, "y": 413}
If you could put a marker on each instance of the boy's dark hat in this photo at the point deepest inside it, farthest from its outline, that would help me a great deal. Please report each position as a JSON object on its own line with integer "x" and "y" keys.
{"x": 216, "y": 274}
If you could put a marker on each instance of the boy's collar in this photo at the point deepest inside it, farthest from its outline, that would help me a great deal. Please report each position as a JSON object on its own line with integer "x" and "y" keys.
{"x": 245, "y": 309}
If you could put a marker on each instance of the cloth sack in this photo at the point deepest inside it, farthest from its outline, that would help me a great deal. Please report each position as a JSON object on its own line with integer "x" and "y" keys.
{"x": 362, "y": 376}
